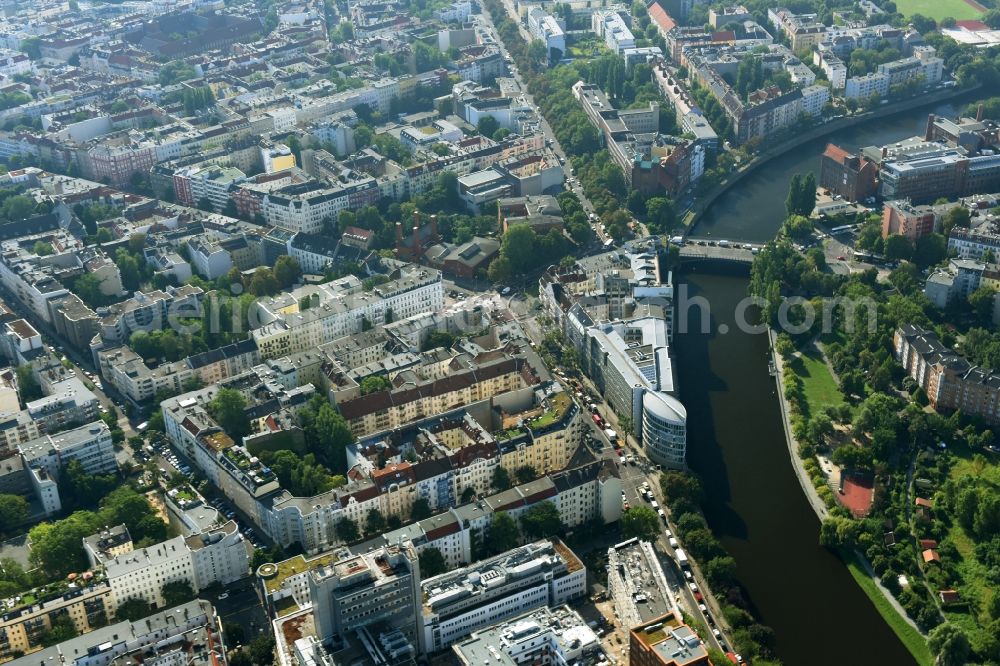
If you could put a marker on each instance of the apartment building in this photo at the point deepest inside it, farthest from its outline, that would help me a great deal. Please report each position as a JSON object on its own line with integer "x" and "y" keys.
{"x": 973, "y": 244}
{"x": 949, "y": 380}
{"x": 611, "y": 27}
{"x": 218, "y": 555}
{"x": 90, "y": 445}
{"x": 68, "y": 403}
{"x": 457, "y": 603}
{"x": 213, "y": 182}
{"x": 208, "y": 258}
{"x": 341, "y": 307}
{"x": 558, "y": 634}
{"x": 547, "y": 28}
{"x": 467, "y": 383}
{"x": 902, "y": 218}
{"x": 88, "y": 604}
{"x": 304, "y": 207}
{"x": 107, "y": 544}
{"x": 189, "y": 634}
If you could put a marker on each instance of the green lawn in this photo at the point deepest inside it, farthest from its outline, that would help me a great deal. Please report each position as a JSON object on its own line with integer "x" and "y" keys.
{"x": 820, "y": 388}
{"x": 910, "y": 637}
{"x": 938, "y": 9}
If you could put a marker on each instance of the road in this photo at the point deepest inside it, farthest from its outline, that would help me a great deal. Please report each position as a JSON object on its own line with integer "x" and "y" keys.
{"x": 569, "y": 178}
{"x": 635, "y": 470}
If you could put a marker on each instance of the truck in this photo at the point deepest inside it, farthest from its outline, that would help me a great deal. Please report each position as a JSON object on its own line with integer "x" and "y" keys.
{"x": 611, "y": 434}
{"x": 682, "y": 558}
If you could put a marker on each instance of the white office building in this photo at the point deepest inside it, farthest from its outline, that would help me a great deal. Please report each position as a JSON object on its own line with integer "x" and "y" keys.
{"x": 544, "y": 573}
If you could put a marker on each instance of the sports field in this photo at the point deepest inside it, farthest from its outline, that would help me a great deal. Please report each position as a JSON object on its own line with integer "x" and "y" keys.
{"x": 939, "y": 9}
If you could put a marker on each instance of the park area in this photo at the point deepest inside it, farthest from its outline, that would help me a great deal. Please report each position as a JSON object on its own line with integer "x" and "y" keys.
{"x": 941, "y": 9}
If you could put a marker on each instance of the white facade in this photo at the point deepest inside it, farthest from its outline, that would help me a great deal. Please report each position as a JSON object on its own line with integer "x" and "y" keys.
{"x": 218, "y": 556}
{"x": 90, "y": 445}
{"x": 863, "y": 87}
{"x": 209, "y": 260}
{"x": 545, "y": 27}
{"x": 611, "y": 27}
{"x": 544, "y": 573}
{"x": 814, "y": 98}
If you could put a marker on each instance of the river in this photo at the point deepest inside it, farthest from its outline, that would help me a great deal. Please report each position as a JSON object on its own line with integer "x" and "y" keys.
{"x": 764, "y": 191}
{"x": 736, "y": 442}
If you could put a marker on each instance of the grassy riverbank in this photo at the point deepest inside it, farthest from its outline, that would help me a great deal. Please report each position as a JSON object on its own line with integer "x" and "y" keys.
{"x": 911, "y": 638}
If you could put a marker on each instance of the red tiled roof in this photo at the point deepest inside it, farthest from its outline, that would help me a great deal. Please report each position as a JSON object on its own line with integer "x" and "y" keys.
{"x": 931, "y": 555}
{"x": 724, "y": 36}
{"x": 920, "y": 501}
{"x": 928, "y": 543}
{"x": 660, "y": 17}
{"x": 950, "y": 596}
{"x": 836, "y": 153}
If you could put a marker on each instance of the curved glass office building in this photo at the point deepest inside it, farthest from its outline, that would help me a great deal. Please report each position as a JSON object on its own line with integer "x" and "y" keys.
{"x": 664, "y": 428}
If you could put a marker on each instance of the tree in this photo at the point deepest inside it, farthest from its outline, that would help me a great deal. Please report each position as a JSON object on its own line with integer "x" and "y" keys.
{"x": 128, "y": 266}
{"x": 205, "y": 204}
{"x": 327, "y": 434}
{"x": 487, "y": 126}
{"x": 18, "y": 208}
{"x": 13, "y": 511}
{"x": 57, "y": 547}
{"x": 431, "y": 563}
{"x": 819, "y": 428}
{"x": 798, "y": 227}
{"x": 228, "y": 408}
{"x": 347, "y": 530}
{"x": 642, "y": 522}
{"x": 542, "y": 520}
{"x": 176, "y": 593}
{"x": 981, "y": 301}
{"x": 374, "y": 384}
{"x": 500, "y": 270}
{"x": 500, "y": 479}
{"x": 525, "y": 473}
{"x": 286, "y": 271}
{"x": 61, "y": 629}
{"x": 949, "y": 644}
{"x": 898, "y": 247}
{"x": 930, "y": 250}
{"x": 261, "y": 650}
{"x": 518, "y": 247}
{"x": 660, "y": 214}
{"x": 503, "y": 533}
{"x": 721, "y": 570}
{"x": 374, "y": 522}
{"x": 133, "y": 610}
{"x": 27, "y": 385}
{"x": 421, "y": 509}
{"x": 42, "y": 249}
{"x": 264, "y": 283}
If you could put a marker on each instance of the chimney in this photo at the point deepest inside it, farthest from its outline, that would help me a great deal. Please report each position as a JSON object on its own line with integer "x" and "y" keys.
{"x": 399, "y": 234}
{"x": 929, "y": 133}
{"x": 979, "y": 113}
{"x": 416, "y": 242}
{"x": 885, "y": 152}
{"x": 434, "y": 223}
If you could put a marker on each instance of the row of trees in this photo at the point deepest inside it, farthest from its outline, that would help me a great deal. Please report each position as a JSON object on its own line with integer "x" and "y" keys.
{"x": 683, "y": 493}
